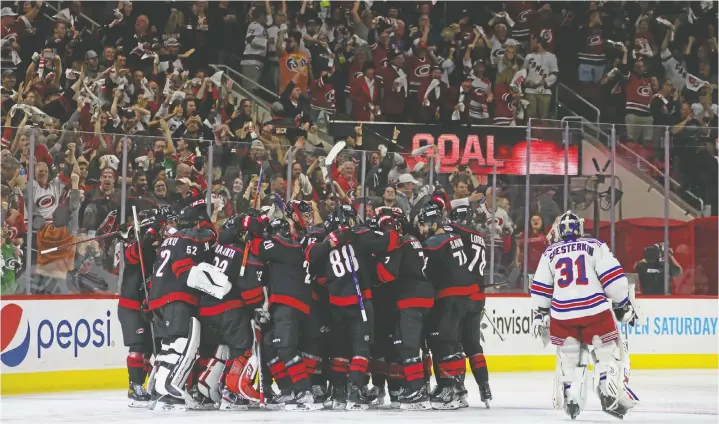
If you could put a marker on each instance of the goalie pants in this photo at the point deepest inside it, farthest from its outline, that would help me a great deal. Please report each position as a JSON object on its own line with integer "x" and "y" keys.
{"x": 136, "y": 335}
{"x": 351, "y": 341}
{"x": 454, "y": 331}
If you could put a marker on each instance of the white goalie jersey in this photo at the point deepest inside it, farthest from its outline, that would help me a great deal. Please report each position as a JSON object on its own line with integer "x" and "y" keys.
{"x": 577, "y": 278}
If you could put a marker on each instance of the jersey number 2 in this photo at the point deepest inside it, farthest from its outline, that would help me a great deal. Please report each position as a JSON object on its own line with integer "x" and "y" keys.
{"x": 566, "y": 270}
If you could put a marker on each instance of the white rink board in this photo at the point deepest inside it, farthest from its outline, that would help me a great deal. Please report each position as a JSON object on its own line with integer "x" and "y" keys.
{"x": 665, "y": 326}
{"x": 85, "y": 334}
{"x": 61, "y": 335}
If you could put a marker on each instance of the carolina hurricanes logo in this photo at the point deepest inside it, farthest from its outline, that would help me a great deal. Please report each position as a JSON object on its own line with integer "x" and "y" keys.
{"x": 594, "y": 40}
{"x": 46, "y": 201}
{"x": 644, "y": 91}
{"x": 383, "y": 63}
{"x": 422, "y": 71}
{"x": 547, "y": 34}
{"x": 498, "y": 53}
{"x": 692, "y": 80}
{"x": 357, "y": 75}
{"x": 12, "y": 233}
{"x": 524, "y": 16}
{"x": 330, "y": 96}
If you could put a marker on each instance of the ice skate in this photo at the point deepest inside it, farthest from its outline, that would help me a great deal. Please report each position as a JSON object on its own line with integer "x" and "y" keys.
{"x": 278, "y": 401}
{"x": 231, "y": 401}
{"x": 572, "y": 409}
{"x": 339, "y": 397}
{"x": 461, "y": 393}
{"x": 167, "y": 403}
{"x": 304, "y": 401}
{"x": 379, "y": 394}
{"x": 137, "y": 396}
{"x": 394, "y": 396}
{"x": 485, "y": 394}
{"x": 320, "y": 393}
{"x": 608, "y": 406}
{"x": 444, "y": 398}
{"x": 417, "y": 400}
{"x": 201, "y": 402}
{"x": 358, "y": 398}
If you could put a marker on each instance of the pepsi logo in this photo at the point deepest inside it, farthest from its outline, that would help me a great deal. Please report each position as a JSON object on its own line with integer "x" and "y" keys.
{"x": 422, "y": 71}
{"x": 644, "y": 91}
{"x": 14, "y": 335}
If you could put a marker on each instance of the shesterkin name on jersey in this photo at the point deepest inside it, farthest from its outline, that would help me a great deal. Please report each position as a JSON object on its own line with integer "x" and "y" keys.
{"x": 572, "y": 247}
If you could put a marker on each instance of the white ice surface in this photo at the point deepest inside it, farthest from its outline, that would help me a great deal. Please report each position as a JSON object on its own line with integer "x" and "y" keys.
{"x": 676, "y": 397}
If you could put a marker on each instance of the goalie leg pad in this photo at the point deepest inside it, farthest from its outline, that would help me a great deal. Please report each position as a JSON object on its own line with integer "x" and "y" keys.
{"x": 609, "y": 377}
{"x": 241, "y": 377}
{"x": 208, "y": 382}
{"x": 572, "y": 379}
{"x": 175, "y": 361}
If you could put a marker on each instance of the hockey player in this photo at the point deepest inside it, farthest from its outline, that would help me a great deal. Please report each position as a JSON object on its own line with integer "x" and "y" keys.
{"x": 413, "y": 295}
{"x": 290, "y": 296}
{"x": 577, "y": 284}
{"x": 226, "y": 326}
{"x": 136, "y": 333}
{"x": 461, "y": 223}
{"x": 447, "y": 267}
{"x": 341, "y": 255}
{"x": 176, "y": 304}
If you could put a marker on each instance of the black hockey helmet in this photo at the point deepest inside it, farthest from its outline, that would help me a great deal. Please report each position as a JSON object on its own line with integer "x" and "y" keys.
{"x": 230, "y": 231}
{"x": 462, "y": 214}
{"x": 303, "y": 210}
{"x": 279, "y": 227}
{"x": 389, "y": 218}
{"x": 431, "y": 216}
{"x": 193, "y": 214}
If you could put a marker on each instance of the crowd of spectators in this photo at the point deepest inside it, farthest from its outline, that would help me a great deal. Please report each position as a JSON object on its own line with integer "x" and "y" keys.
{"x": 129, "y": 113}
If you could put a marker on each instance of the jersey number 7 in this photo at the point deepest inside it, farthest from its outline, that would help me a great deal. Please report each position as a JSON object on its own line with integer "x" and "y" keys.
{"x": 566, "y": 270}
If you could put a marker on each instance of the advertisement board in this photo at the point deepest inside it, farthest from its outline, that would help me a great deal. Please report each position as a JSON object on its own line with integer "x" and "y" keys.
{"x": 479, "y": 147}
{"x": 58, "y": 335}
{"x": 63, "y": 345}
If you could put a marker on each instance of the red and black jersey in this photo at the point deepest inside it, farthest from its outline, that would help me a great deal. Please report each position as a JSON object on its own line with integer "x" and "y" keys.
{"x": 448, "y": 266}
{"x": 288, "y": 281}
{"x": 132, "y": 292}
{"x": 521, "y": 13}
{"x": 592, "y": 50}
{"x": 419, "y": 70}
{"x": 322, "y": 94}
{"x": 638, "y": 95}
{"x": 379, "y": 56}
{"x": 403, "y": 269}
{"x": 476, "y": 251}
{"x": 175, "y": 257}
{"x": 246, "y": 290}
{"x": 340, "y": 263}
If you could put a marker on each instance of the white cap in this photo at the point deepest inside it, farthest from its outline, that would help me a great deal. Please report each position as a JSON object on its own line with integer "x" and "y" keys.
{"x": 406, "y": 178}
{"x": 6, "y": 11}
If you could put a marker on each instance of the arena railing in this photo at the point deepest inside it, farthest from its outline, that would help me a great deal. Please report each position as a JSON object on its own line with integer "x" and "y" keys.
{"x": 538, "y": 170}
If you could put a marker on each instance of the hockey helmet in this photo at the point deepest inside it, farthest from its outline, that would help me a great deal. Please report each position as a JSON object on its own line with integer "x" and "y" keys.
{"x": 429, "y": 219}
{"x": 193, "y": 214}
{"x": 279, "y": 227}
{"x": 462, "y": 214}
{"x": 389, "y": 218}
{"x": 570, "y": 226}
{"x": 304, "y": 212}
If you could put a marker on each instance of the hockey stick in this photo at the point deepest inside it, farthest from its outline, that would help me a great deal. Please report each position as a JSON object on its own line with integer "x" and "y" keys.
{"x": 136, "y": 226}
{"x": 328, "y": 164}
{"x": 491, "y": 322}
{"x": 54, "y": 249}
{"x": 246, "y": 253}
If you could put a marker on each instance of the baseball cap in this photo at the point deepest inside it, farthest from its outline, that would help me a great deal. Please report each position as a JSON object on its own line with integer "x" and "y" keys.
{"x": 185, "y": 181}
{"x": 172, "y": 42}
{"x": 6, "y": 11}
{"x": 406, "y": 178}
{"x": 91, "y": 54}
{"x": 8, "y": 73}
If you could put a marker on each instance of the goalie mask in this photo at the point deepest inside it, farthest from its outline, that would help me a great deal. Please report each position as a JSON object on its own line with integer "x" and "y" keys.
{"x": 570, "y": 226}
{"x": 390, "y": 218}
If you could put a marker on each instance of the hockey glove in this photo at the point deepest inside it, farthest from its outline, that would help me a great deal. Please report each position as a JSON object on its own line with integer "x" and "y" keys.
{"x": 254, "y": 226}
{"x": 262, "y": 316}
{"x": 341, "y": 237}
{"x": 625, "y": 313}
{"x": 540, "y": 324}
{"x": 146, "y": 312}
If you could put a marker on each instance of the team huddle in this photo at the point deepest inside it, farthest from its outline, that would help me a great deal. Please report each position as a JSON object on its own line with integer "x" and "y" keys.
{"x": 319, "y": 310}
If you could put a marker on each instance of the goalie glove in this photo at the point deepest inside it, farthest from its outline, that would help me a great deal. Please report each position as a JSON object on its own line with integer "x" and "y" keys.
{"x": 625, "y": 312}
{"x": 540, "y": 325}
